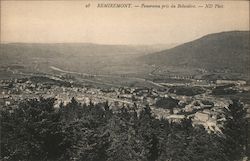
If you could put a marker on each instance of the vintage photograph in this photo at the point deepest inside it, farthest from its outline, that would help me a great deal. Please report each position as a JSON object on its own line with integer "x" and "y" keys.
{"x": 124, "y": 80}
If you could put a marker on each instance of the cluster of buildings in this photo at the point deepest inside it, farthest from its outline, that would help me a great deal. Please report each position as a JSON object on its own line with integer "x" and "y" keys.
{"x": 203, "y": 109}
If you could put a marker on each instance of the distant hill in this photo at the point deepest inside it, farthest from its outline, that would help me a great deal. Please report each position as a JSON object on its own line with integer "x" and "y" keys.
{"x": 81, "y": 57}
{"x": 66, "y": 49}
{"x": 76, "y": 49}
{"x": 219, "y": 51}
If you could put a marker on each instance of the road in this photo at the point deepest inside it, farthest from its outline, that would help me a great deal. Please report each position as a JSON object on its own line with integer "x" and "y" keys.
{"x": 106, "y": 76}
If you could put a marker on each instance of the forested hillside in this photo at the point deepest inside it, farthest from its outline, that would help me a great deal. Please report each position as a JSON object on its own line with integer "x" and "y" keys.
{"x": 219, "y": 51}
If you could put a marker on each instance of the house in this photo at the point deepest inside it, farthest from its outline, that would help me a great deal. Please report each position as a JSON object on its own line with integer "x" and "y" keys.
{"x": 237, "y": 82}
{"x": 201, "y": 116}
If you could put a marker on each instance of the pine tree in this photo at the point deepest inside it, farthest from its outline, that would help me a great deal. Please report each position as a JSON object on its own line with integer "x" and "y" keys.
{"x": 147, "y": 129}
{"x": 235, "y": 130}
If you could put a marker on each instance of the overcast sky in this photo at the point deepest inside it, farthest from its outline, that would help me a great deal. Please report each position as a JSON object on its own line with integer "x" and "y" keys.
{"x": 64, "y": 21}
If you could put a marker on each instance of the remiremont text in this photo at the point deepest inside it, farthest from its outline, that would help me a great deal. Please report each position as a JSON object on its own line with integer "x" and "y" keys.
{"x": 114, "y": 5}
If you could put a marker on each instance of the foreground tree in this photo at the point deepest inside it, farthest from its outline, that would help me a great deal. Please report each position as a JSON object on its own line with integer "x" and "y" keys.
{"x": 235, "y": 130}
{"x": 31, "y": 131}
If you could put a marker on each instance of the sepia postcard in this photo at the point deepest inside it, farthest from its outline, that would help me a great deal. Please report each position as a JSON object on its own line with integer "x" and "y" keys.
{"x": 124, "y": 80}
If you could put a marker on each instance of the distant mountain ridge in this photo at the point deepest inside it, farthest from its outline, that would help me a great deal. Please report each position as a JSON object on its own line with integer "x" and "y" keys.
{"x": 50, "y": 49}
{"x": 80, "y": 57}
{"x": 226, "y": 50}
